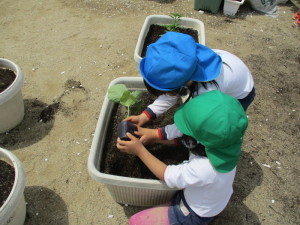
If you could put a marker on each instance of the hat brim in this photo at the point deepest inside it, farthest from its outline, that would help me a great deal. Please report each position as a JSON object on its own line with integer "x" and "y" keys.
{"x": 224, "y": 159}
{"x": 208, "y": 65}
{"x": 180, "y": 122}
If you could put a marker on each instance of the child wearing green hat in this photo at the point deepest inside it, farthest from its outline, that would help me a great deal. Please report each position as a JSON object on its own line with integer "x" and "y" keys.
{"x": 176, "y": 65}
{"x": 218, "y": 122}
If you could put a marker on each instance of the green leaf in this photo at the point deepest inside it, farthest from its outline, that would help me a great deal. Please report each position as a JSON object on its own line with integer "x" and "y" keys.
{"x": 127, "y": 99}
{"x": 116, "y": 92}
{"x": 176, "y": 16}
{"x": 120, "y": 94}
{"x": 136, "y": 94}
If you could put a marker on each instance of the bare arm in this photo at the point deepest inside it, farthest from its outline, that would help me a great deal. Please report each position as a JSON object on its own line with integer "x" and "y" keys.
{"x": 156, "y": 166}
{"x": 135, "y": 147}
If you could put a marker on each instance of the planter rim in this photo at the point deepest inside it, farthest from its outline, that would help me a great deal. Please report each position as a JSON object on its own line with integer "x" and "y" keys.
{"x": 114, "y": 179}
{"x": 235, "y": 2}
{"x": 17, "y": 191}
{"x": 15, "y": 87}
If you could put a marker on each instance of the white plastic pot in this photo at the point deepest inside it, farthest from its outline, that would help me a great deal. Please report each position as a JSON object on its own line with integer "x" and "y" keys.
{"x": 164, "y": 19}
{"x": 11, "y": 100}
{"x": 13, "y": 211}
{"x": 231, "y": 7}
{"x": 126, "y": 190}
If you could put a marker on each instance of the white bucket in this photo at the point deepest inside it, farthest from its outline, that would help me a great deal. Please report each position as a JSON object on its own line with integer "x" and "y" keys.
{"x": 231, "y": 7}
{"x": 13, "y": 211}
{"x": 11, "y": 101}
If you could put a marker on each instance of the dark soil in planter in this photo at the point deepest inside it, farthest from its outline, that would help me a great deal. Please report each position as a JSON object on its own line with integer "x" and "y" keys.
{"x": 7, "y": 177}
{"x": 122, "y": 164}
{"x": 156, "y": 31}
{"x": 7, "y": 77}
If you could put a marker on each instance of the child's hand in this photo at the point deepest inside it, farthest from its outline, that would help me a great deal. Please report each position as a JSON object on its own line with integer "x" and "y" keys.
{"x": 147, "y": 135}
{"x": 133, "y": 147}
{"x": 139, "y": 120}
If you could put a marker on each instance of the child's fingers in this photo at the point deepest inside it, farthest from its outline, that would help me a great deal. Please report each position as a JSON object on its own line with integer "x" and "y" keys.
{"x": 132, "y": 119}
{"x": 120, "y": 147}
{"x": 144, "y": 140}
{"x": 138, "y": 133}
{"x": 121, "y": 143}
{"x": 141, "y": 131}
{"x": 131, "y": 137}
{"x": 128, "y": 118}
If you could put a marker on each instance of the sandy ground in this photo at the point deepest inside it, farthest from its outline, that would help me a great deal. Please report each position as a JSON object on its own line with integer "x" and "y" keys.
{"x": 58, "y": 43}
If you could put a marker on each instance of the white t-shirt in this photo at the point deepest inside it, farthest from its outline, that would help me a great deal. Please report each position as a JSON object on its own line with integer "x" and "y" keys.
{"x": 206, "y": 191}
{"x": 235, "y": 78}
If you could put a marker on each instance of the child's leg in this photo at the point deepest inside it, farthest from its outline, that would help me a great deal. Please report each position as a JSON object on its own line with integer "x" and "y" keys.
{"x": 180, "y": 213}
{"x": 157, "y": 215}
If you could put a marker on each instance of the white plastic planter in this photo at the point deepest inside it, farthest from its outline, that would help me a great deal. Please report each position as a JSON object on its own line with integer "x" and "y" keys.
{"x": 11, "y": 100}
{"x": 126, "y": 190}
{"x": 164, "y": 19}
{"x": 231, "y": 7}
{"x": 13, "y": 211}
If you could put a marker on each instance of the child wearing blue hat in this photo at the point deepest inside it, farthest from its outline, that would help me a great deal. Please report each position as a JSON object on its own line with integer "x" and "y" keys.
{"x": 218, "y": 122}
{"x": 176, "y": 65}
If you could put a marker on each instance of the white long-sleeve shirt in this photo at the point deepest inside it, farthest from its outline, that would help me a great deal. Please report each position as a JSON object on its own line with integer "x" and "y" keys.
{"x": 206, "y": 191}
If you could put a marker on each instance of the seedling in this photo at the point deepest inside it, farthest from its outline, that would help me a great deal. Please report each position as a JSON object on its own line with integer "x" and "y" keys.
{"x": 175, "y": 25}
{"x": 124, "y": 127}
{"x": 130, "y": 99}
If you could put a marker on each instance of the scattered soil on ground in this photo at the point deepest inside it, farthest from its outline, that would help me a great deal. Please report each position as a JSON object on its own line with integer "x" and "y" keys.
{"x": 48, "y": 113}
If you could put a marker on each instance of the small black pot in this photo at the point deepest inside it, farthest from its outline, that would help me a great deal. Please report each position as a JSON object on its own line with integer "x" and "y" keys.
{"x": 124, "y": 127}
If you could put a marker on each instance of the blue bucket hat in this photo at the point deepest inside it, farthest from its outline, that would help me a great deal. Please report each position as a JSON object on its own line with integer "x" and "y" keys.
{"x": 176, "y": 58}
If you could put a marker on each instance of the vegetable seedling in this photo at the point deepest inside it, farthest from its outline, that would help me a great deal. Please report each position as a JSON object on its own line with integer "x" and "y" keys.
{"x": 130, "y": 99}
{"x": 176, "y": 18}
{"x": 124, "y": 127}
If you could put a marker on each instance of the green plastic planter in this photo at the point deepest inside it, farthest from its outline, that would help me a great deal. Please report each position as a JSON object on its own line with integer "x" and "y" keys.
{"x": 208, "y": 5}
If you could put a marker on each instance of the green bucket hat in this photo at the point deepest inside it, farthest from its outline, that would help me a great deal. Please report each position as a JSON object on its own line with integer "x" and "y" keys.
{"x": 217, "y": 121}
